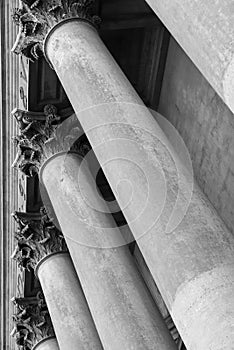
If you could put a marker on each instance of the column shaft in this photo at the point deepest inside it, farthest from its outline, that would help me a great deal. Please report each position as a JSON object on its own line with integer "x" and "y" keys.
{"x": 193, "y": 261}
{"x": 71, "y": 318}
{"x": 123, "y": 310}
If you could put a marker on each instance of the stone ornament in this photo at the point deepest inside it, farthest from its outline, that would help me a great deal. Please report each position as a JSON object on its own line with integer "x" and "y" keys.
{"x": 34, "y": 132}
{"x": 36, "y": 18}
{"x": 44, "y": 134}
{"x": 36, "y": 238}
{"x": 32, "y": 322}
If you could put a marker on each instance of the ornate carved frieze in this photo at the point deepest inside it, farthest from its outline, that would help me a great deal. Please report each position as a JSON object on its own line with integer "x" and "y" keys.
{"x": 36, "y": 238}
{"x": 36, "y": 18}
{"x": 32, "y": 322}
{"x": 43, "y": 135}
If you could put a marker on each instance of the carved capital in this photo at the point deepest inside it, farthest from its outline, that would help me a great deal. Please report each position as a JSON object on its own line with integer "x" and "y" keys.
{"x": 43, "y": 135}
{"x": 68, "y": 137}
{"x": 36, "y": 238}
{"x": 35, "y": 130}
{"x": 36, "y": 18}
{"x": 32, "y": 322}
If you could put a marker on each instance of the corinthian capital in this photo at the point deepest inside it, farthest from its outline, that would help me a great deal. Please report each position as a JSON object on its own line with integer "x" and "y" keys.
{"x": 36, "y": 238}
{"x": 44, "y": 134}
{"x": 35, "y": 130}
{"x": 32, "y": 322}
{"x": 36, "y": 18}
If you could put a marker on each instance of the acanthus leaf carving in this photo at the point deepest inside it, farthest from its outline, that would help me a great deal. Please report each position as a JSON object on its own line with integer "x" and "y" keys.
{"x": 36, "y": 238}
{"x": 36, "y": 18}
{"x": 43, "y": 135}
{"x": 34, "y": 132}
{"x": 32, "y": 321}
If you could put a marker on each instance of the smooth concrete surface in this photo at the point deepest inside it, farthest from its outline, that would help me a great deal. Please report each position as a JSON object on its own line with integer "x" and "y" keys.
{"x": 124, "y": 312}
{"x": 47, "y": 344}
{"x": 206, "y": 126}
{"x": 200, "y": 245}
{"x": 71, "y": 318}
{"x": 204, "y": 29}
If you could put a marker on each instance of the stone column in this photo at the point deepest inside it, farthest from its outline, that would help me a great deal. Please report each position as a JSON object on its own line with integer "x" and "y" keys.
{"x": 195, "y": 259}
{"x": 122, "y": 308}
{"x": 192, "y": 260}
{"x": 124, "y": 313}
{"x": 42, "y": 247}
{"x": 32, "y": 324}
{"x": 204, "y": 29}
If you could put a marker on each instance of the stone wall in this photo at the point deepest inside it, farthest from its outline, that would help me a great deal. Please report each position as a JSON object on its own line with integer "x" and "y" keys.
{"x": 206, "y": 125}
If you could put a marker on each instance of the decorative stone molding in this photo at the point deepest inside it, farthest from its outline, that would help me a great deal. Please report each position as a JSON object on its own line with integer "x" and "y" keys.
{"x": 43, "y": 135}
{"x": 36, "y": 18}
{"x": 32, "y": 322}
{"x": 36, "y": 239}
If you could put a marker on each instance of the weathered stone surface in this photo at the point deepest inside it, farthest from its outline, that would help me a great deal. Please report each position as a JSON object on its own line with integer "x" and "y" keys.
{"x": 72, "y": 321}
{"x": 204, "y": 29}
{"x": 36, "y": 18}
{"x": 206, "y": 126}
{"x": 36, "y": 238}
{"x": 157, "y": 297}
{"x": 32, "y": 322}
{"x": 40, "y": 245}
{"x": 199, "y": 245}
{"x": 44, "y": 134}
{"x": 124, "y": 313}
{"x": 34, "y": 132}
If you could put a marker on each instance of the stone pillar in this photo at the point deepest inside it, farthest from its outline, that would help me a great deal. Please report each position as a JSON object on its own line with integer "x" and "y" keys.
{"x": 47, "y": 344}
{"x": 122, "y": 308}
{"x": 32, "y": 324}
{"x": 119, "y": 300}
{"x": 42, "y": 247}
{"x": 204, "y": 29}
{"x": 193, "y": 260}
{"x": 72, "y": 321}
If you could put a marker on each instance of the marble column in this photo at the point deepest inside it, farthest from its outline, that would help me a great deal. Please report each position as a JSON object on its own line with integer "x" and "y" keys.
{"x": 204, "y": 29}
{"x": 45, "y": 251}
{"x": 47, "y": 344}
{"x": 124, "y": 312}
{"x": 195, "y": 258}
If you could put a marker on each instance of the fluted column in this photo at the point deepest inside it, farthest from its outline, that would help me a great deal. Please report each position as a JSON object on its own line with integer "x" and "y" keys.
{"x": 42, "y": 247}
